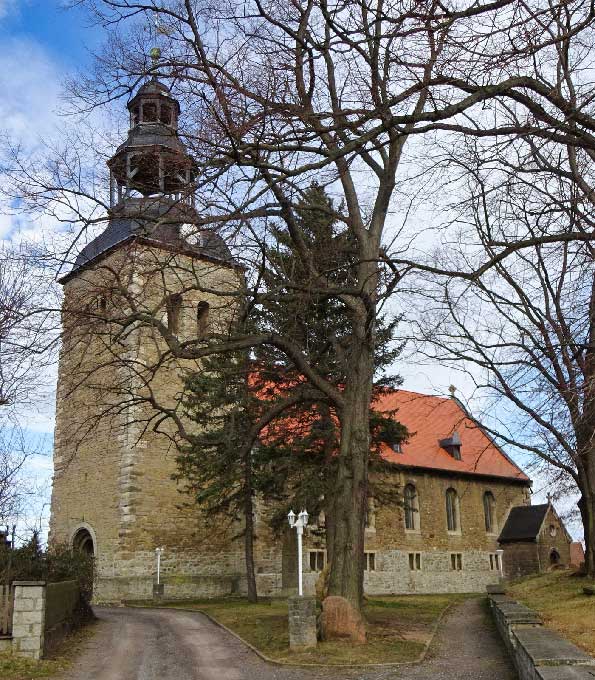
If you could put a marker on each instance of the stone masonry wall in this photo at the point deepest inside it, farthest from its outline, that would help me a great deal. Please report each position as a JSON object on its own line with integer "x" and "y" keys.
{"x": 113, "y": 472}
{"x": 552, "y": 537}
{"x": 391, "y": 543}
{"x": 520, "y": 559}
{"x": 28, "y": 619}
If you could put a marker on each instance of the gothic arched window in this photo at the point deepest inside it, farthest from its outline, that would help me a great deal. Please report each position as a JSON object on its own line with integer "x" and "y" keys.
{"x": 489, "y": 511}
{"x": 453, "y": 518}
{"x": 411, "y": 507}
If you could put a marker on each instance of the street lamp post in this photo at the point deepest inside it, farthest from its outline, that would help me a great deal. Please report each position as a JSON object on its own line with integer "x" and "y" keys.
{"x": 298, "y": 524}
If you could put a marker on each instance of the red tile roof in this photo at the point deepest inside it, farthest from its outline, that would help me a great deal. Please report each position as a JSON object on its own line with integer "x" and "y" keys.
{"x": 429, "y": 419}
{"x": 577, "y": 554}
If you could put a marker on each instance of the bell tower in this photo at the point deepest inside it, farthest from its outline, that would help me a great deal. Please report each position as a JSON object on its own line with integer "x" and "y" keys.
{"x": 113, "y": 493}
{"x": 153, "y": 160}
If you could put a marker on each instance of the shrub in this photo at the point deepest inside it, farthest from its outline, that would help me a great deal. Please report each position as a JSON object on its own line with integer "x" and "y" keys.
{"x": 59, "y": 563}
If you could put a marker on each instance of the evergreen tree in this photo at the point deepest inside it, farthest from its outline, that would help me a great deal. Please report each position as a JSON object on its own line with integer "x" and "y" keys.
{"x": 262, "y": 430}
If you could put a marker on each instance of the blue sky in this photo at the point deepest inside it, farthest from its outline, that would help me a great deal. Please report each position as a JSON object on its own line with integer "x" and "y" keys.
{"x": 65, "y": 34}
{"x": 42, "y": 43}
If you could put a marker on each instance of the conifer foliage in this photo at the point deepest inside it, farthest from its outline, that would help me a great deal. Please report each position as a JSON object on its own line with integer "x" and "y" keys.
{"x": 261, "y": 430}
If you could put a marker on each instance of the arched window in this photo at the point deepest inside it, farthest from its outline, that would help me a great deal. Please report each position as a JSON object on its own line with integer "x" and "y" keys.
{"x": 82, "y": 541}
{"x": 174, "y": 310}
{"x": 453, "y": 520}
{"x": 202, "y": 319}
{"x": 489, "y": 511}
{"x": 411, "y": 507}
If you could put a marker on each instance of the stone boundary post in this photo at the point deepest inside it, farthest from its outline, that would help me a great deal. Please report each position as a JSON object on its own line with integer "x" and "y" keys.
{"x": 302, "y": 623}
{"x": 28, "y": 619}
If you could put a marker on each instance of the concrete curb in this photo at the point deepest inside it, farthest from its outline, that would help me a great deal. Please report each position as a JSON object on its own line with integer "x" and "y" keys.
{"x": 276, "y": 662}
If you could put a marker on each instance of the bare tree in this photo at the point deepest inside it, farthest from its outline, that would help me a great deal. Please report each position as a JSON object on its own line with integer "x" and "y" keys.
{"x": 524, "y": 330}
{"x": 284, "y": 93}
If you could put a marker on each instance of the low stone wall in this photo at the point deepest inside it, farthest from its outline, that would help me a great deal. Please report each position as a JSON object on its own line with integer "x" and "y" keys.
{"x": 62, "y": 611}
{"x": 123, "y": 588}
{"x": 537, "y": 652}
{"x": 42, "y": 615}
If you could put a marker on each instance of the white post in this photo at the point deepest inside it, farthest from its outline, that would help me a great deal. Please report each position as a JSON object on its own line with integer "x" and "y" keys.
{"x": 298, "y": 525}
{"x": 158, "y": 551}
{"x": 500, "y": 554}
{"x": 300, "y": 531}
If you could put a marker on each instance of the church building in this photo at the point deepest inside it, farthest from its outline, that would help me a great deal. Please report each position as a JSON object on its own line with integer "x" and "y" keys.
{"x": 113, "y": 494}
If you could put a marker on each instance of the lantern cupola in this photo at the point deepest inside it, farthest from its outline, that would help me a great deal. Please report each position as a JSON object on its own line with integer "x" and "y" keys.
{"x": 152, "y": 161}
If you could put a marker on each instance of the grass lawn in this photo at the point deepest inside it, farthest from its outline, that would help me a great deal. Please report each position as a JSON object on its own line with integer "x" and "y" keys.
{"x": 16, "y": 668}
{"x": 559, "y": 598}
{"x": 398, "y": 628}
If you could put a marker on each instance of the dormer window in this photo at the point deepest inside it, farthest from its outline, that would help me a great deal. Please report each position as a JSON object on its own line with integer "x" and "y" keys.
{"x": 396, "y": 447}
{"x": 452, "y": 445}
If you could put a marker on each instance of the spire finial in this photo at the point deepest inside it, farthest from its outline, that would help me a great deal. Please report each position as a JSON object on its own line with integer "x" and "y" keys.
{"x": 155, "y": 55}
{"x": 452, "y": 389}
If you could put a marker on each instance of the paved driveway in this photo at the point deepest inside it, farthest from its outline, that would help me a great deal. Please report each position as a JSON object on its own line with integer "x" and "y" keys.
{"x": 160, "y": 644}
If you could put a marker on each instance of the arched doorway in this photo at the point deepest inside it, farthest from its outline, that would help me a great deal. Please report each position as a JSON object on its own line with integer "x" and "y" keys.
{"x": 554, "y": 558}
{"x": 82, "y": 541}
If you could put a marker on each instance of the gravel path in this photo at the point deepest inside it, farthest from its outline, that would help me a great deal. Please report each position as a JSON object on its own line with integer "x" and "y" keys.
{"x": 161, "y": 644}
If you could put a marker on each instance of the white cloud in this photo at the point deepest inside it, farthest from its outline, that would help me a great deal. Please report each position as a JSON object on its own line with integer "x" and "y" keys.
{"x": 7, "y": 6}
{"x": 30, "y": 85}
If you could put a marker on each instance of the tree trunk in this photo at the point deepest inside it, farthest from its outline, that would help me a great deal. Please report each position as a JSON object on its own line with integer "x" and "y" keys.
{"x": 249, "y": 529}
{"x": 584, "y": 440}
{"x": 588, "y": 518}
{"x": 350, "y": 492}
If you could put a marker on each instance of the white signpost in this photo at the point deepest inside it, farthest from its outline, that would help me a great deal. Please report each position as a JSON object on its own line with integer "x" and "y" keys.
{"x": 158, "y": 552}
{"x": 298, "y": 525}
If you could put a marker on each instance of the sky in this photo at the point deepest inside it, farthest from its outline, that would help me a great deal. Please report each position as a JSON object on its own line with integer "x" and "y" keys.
{"x": 42, "y": 44}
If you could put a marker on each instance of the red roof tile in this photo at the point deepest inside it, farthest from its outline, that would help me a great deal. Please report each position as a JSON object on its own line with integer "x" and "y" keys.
{"x": 429, "y": 419}
{"x": 577, "y": 554}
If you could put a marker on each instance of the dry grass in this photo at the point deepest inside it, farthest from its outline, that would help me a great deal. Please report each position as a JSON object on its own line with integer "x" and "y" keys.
{"x": 559, "y": 598}
{"x": 398, "y": 628}
{"x": 16, "y": 668}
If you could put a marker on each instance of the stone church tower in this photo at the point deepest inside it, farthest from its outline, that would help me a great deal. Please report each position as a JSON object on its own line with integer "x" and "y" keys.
{"x": 113, "y": 494}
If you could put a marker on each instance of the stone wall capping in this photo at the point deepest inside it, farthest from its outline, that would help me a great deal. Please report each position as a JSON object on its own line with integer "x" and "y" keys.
{"x": 565, "y": 673}
{"x": 546, "y": 648}
{"x": 538, "y": 653}
{"x": 28, "y": 583}
{"x": 496, "y": 589}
